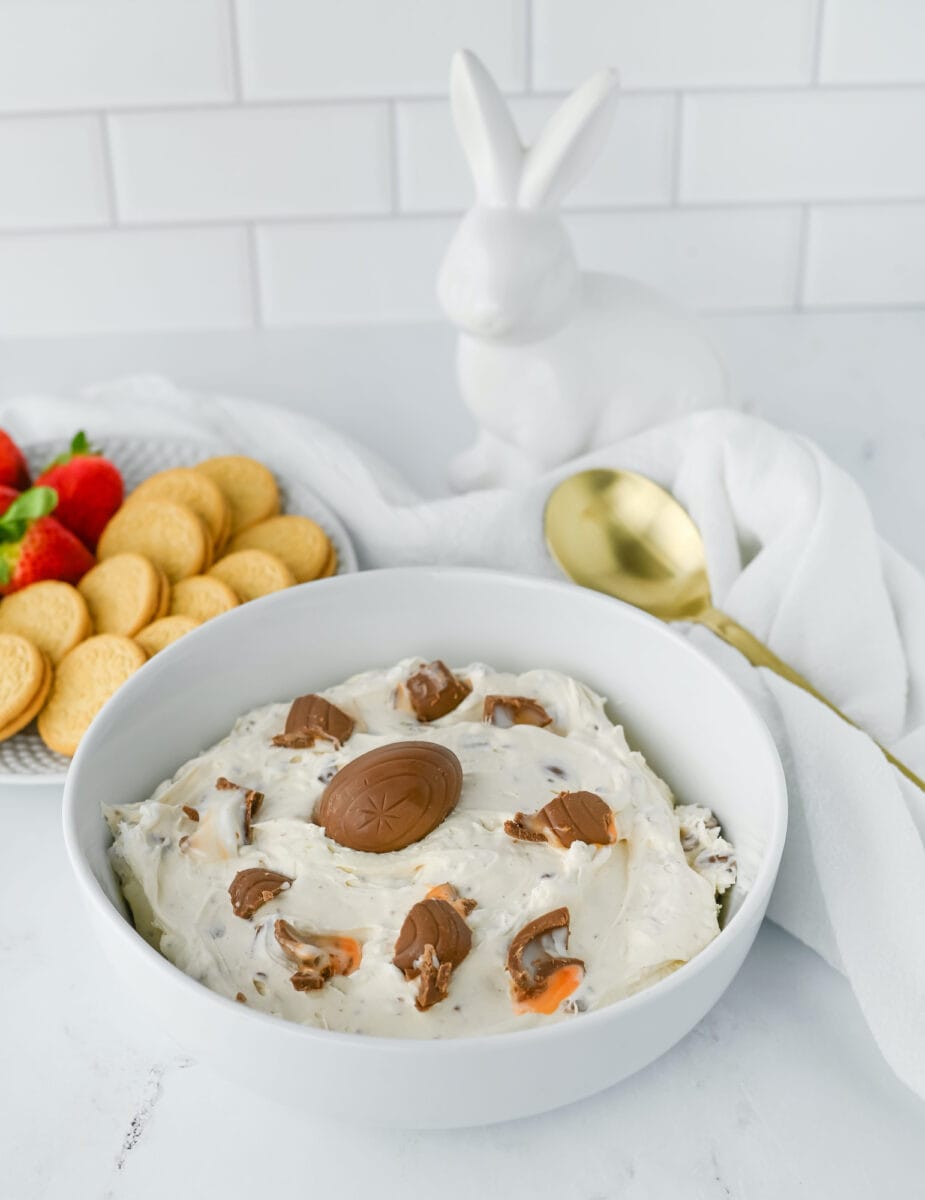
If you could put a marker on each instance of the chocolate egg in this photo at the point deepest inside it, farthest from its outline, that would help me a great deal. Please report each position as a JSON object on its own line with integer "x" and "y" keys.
{"x": 390, "y": 797}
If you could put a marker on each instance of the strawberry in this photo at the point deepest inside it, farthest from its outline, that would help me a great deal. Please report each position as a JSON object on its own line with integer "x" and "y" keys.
{"x": 89, "y": 489}
{"x": 7, "y": 496}
{"x": 34, "y": 546}
{"x": 13, "y": 469}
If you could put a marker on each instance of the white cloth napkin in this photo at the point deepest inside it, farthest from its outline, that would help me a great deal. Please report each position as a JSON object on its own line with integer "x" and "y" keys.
{"x": 793, "y": 556}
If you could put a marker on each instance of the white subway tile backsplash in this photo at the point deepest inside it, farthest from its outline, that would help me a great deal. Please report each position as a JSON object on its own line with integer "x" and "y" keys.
{"x": 93, "y": 53}
{"x": 873, "y": 41}
{"x": 673, "y": 43}
{"x": 271, "y": 162}
{"x": 330, "y": 272}
{"x": 709, "y": 259}
{"x": 635, "y": 166}
{"x": 316, "y": 48}
{"x": 762, "y": 154}
{"x": 52, "y": 171}
{"x": 866, "y": 255}
{"x": 803, "y": 146}
{"x": 120, "y": 281}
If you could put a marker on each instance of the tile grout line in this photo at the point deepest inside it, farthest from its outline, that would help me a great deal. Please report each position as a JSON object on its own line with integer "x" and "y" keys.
{"x": 678, "y": 154}
{"x": 168, "y": 224}
{"x": 818, "y": 35}
{"x": 181, "y": 107}
{"x": 281, "y": 325}
{"x": 109, "y": 171}
{"x": 849, "y": 308}
{"x": 429, "y": 318}
{"x": 799, "y": 299}
{"x": 528, "y": 46}
{"x": 234, "y": 45}
{"x": 256, "y": 279}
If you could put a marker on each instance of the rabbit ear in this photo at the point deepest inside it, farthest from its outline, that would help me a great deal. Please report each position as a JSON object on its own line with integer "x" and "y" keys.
{"x": 485, "y": 129}
{"x": 567, "y": 146}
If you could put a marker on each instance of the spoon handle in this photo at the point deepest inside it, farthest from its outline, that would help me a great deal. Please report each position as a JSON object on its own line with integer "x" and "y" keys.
{"x": 759, "y": 655}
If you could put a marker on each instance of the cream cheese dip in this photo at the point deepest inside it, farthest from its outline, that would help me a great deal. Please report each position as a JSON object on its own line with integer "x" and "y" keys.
{"x": 639, "y": 907}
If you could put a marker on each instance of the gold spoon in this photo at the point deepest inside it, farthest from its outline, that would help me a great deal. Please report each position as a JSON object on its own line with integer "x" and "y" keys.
{"x": 620, "y": 533}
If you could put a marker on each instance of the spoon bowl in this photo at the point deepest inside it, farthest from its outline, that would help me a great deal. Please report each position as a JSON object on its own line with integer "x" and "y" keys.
{"x": 620, "y": 533}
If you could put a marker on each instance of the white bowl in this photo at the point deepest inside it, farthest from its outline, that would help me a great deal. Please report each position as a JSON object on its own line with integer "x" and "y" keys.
{"x": 694, "y": 726}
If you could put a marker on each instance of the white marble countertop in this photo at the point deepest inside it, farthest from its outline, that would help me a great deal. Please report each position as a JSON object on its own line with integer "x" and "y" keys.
{"x": 778, "y": 1092}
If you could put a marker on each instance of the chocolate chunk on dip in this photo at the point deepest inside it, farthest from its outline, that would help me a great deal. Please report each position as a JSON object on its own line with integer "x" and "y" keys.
{"x": 567, "y": 818}
{"x": 433, "y": 940}
{"x": 435, "y": 691}
{"x": 514, "y": 710}
{"x": 541, "y": 976}
{"x": 317, "y": 956}
{"x": 435, "y": 980}
{"x": 312, "y": 718}
{"x": 252, "y": 888}
{"x": 252, "y": 802}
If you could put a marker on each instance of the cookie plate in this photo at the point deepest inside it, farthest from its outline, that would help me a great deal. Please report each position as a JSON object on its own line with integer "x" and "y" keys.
{"x": 24, "y": 758}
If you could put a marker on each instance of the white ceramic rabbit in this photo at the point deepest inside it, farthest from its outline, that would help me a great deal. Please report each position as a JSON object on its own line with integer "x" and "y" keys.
{"x": 552, "y": 360}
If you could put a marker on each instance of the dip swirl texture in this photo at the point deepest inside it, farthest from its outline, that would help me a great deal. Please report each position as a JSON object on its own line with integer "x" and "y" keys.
{"x": 639, "y": 907}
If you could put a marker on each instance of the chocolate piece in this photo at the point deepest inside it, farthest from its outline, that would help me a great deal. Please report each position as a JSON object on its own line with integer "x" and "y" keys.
{"x": 435, "y": 691}
{"x": 312, "y": 717}
{"x": 520, "y": 830}
{"x": 514, "y": 710}
{"x": 317, "y": 956}
{"x": 256, "y": 886}
{"x": 252, "y": 802}
{"x": 435, "y": 981}
{"x": 310, "y": 981}
{"x": 532, "y": 966}
{"x": 434, "y": 939}
{"x": 580, "y": 817}
{"x": 192, "y": 813}
{"x": 567, "y": 818}
{"x": 391, "y": 796}
{"x": 434, "y": 923}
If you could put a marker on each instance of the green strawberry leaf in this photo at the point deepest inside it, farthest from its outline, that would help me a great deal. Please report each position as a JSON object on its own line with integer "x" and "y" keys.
{"x": 79, "y": 448}
{"x": 30, "y": 506}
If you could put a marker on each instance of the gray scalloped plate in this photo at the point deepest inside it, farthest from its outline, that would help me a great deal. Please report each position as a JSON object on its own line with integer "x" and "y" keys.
{"x": 25, "y": 758}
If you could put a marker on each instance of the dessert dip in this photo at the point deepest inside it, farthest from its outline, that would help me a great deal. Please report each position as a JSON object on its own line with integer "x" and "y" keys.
{"x": 423, "y": 852}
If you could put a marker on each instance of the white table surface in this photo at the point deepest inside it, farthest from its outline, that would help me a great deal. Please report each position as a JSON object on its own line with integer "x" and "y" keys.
{"x": 778, "y": 1092}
